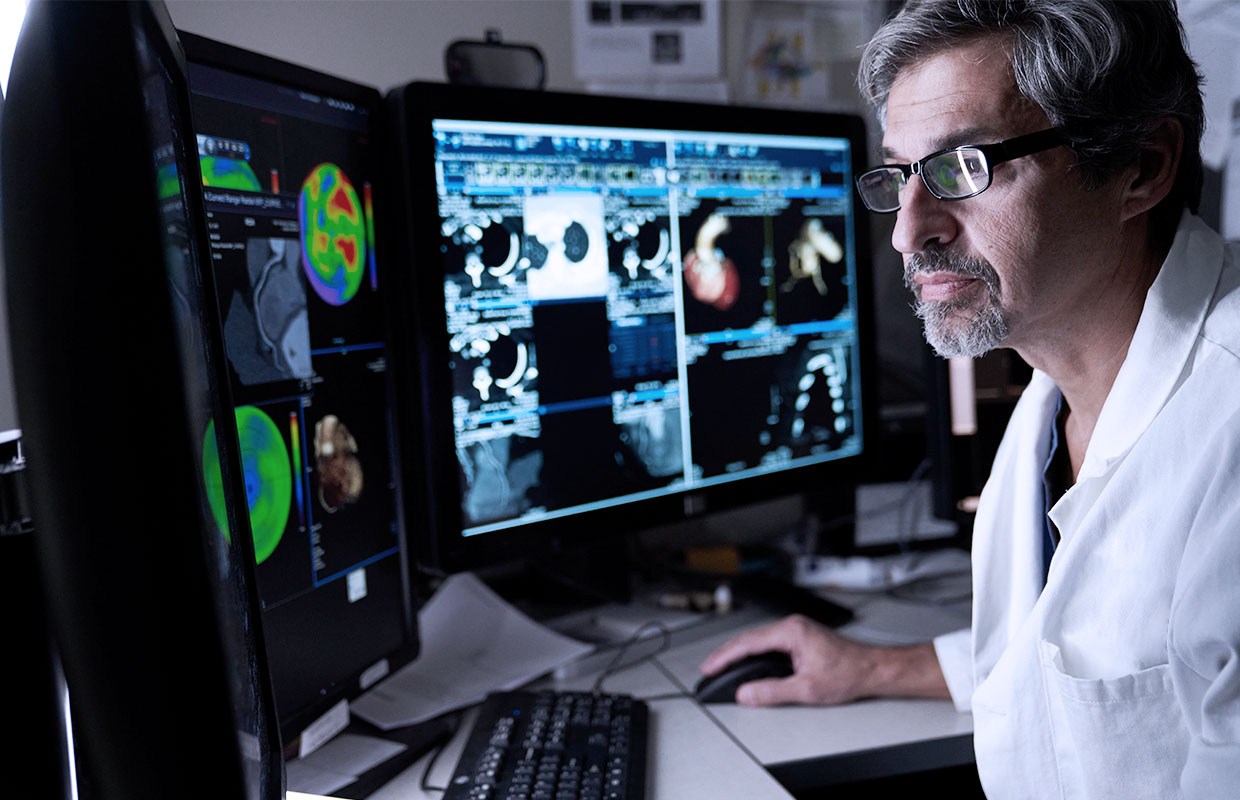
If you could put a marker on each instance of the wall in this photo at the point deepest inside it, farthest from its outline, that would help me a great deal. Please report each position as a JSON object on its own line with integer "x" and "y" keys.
{"x": 382, "y": 43}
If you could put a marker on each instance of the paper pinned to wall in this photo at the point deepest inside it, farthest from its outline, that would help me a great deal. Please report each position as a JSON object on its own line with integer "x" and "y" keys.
{"x": 805, "y": 56}
{"x": 626, "y": 40}
{"x": 685, "y": 91}
{"x": 782, "y": 66}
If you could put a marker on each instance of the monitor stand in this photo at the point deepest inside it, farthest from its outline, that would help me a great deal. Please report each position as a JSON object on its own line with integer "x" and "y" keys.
{"x": 830, "y": 519}
{"x": 763, "y": 574}
{"x": 564, "y": 580}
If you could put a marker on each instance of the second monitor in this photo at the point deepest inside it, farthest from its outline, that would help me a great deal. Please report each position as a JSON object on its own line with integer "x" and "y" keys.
{"x": 293, "y": 174}
{"x": 629, "y": 311}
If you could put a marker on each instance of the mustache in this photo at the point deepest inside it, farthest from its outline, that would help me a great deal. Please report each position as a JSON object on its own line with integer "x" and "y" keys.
{"x": 940, "y": 259}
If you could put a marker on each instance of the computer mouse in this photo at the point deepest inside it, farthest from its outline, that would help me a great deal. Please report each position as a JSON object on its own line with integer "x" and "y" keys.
{"x": 721, "y": 687}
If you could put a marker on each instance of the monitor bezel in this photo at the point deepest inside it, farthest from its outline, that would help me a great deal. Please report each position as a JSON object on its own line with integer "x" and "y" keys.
{"x": 138, "y": 614}
{"x": 415, "y": 106}
{"x": 219, "y": 55}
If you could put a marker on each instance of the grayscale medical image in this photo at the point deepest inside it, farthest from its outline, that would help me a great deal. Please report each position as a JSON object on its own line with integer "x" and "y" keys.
{"x": 266, "y": 329}
{"x": 495, "y": 480}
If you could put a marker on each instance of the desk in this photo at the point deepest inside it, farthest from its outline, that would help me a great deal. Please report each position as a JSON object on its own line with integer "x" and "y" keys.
{"x": 722, "y": 750}
{"x": 807, "y": 747}
{"x": 689, "y": 756}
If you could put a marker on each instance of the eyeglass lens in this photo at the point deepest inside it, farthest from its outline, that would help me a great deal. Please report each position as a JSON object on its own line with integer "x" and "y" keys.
{"x": 957, "y": 173}
{"x": 953, "y": 175}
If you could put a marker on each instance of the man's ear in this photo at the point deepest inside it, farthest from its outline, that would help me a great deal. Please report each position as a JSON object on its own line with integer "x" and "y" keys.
{"x": 1153, "y": 174}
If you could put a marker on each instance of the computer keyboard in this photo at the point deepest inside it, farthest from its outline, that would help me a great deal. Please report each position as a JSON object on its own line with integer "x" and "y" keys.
{"x": 554, "y": 746}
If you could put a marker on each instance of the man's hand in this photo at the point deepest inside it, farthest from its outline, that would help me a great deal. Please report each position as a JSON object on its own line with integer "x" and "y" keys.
{"x": 829, "y": 669}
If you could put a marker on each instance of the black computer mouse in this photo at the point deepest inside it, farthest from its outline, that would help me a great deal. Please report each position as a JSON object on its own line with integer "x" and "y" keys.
{"x": 721, "y": 687}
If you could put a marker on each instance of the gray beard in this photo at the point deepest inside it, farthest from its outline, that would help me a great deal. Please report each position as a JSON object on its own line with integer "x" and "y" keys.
{"x": 963, "y": 326}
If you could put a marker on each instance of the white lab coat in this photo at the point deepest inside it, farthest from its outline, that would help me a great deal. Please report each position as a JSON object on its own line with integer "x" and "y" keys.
{"x": 1120, "y": 679}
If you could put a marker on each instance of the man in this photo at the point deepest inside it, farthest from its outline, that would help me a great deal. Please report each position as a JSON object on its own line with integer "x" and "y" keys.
{"x": 1104, "y": 657}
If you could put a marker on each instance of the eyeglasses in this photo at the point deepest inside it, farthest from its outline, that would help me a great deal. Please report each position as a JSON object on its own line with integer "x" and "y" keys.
{"x": 951, "y": 174}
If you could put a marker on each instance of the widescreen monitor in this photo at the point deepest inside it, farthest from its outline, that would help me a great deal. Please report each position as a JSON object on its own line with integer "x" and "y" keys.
{"x": 630, "y": 311}
{"x": 135, "y": 479}
{"x": 291, "y": 163}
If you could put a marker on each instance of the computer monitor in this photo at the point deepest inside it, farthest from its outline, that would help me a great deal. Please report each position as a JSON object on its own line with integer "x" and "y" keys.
{"x": 291, "y": 163}
{"x": 629, "y": 311}
{"x": 123, "y": 404}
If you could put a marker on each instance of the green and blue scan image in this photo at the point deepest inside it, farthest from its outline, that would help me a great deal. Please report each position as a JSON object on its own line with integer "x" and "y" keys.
{"x": 228, "y": 173}
{"x": 268, "y": 478}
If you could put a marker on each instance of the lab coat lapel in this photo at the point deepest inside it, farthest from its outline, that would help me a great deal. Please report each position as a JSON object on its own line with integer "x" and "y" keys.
{"x": 1010, "y": 566}
{"x": 1161, "y": 347}
{"x": 1171, "y": 320}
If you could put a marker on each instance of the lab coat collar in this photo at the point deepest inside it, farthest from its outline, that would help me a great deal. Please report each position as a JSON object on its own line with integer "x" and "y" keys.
{"x": 1174, "y": 311}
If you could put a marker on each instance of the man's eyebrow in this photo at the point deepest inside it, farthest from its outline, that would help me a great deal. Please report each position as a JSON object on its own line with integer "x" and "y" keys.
{"x": 965, "y": 136}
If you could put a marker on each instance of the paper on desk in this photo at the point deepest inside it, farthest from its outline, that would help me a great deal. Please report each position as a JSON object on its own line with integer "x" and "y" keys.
{"x": 473, "y": 642}
{"x": 339, "y": 763}
{"x": 312, "y": 780}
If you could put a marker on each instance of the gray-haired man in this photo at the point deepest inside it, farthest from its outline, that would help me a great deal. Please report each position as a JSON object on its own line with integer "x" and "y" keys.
{"x": 1044, "y": 162}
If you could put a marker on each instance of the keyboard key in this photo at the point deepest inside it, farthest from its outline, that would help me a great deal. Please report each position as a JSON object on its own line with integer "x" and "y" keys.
{"x": 554, "y": 746}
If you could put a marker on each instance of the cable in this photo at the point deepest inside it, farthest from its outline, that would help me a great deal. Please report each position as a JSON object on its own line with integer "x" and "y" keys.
{"x": 908, "y": 504}
{"x": 669, "y": 696}
{"x": 434, "y": 759}
{"x": 613, "y": 667}
{"x": 426, "y": 773}
{"x": 901, "y": 503}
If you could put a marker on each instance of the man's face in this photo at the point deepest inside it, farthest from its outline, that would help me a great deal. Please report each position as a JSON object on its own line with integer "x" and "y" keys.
{"x": 1004, "y": 267}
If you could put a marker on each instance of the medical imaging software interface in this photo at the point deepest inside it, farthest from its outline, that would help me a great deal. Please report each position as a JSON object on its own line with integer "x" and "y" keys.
{"x": 635, "y": 312}
{"x": 287, "y": 180}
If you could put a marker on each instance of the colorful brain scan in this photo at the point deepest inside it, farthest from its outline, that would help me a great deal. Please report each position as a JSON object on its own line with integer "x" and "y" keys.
{"x": 228, "y": 173}
{"x": 268, "y": 479}
{"x": 333, "y": 234}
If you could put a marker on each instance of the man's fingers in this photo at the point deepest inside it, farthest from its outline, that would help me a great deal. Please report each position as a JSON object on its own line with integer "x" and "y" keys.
{"x": 759, "y": 640}
{"x": 769, "y": 692}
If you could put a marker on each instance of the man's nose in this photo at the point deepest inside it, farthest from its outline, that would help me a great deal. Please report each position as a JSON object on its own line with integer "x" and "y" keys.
{"x": 923, "y": 219}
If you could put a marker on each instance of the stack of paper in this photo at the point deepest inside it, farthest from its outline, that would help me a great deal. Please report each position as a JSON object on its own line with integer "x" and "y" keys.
{"x": 473, "y": 642}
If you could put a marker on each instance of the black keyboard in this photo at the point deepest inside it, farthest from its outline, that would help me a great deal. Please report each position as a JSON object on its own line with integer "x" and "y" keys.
{"x": 554, "y": 746}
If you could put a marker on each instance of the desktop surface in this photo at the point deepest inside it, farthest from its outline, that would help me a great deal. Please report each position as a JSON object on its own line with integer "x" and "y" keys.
{"x": 723, "y": 750}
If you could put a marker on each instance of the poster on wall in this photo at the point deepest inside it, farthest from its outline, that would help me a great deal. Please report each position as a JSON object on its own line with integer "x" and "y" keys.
{"x": 781, "y": 66}
{"x": 630, "y": 40}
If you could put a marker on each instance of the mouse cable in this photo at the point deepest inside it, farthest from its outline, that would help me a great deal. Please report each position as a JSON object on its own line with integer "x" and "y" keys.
{"x": 614, "y": 666}
{"x": 436, "y": 752}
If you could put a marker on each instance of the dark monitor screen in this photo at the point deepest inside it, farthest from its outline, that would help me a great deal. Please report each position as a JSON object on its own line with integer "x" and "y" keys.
{"x": 120, "y": 386}
{"x": 291, "y": 167}
{"x": 632, "y": 311}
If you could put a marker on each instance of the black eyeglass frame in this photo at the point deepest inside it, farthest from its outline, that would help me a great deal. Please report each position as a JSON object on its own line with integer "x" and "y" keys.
{"x": 995, "y": 154}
